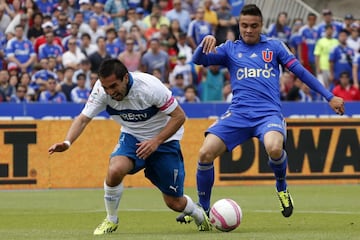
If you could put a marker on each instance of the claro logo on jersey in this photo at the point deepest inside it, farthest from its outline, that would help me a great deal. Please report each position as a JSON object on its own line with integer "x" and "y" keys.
{"x": 14, "y": 167}
{"x": 266, "y": 72}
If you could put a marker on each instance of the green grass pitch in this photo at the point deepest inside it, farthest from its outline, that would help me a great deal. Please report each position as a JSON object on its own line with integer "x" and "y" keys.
{"x": 325, "y": 212}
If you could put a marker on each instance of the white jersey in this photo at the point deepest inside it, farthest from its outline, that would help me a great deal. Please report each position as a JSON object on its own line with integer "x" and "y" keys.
{"x": 143, "y": 112}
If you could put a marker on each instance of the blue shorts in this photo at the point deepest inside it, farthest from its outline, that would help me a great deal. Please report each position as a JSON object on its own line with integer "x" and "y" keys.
{"x": 164, "y": 168}
{"x": 234, "y": 129}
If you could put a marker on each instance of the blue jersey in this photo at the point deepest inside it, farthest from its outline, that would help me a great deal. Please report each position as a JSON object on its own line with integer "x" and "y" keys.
{"x": 295, "y": 41}
{"x": 113, "y": 48}
{"x": 50, "y": 50}
{"x": 309, "y": 36}
{"x": 79, "y": 95}
{"x": 3, "y": 42}
{"x": 337, "y": 27}
{"x": 45, "y": 7}
{"x": 283, "y": 35}
{"x": 254, "y": 73}
{"x": 47, "y": 97}
{"x": 198, "y": 30}
{"x": 102, "y": 19}
{"x": 342, "y": 57}
{"x": 356, "y": 61}
{"x": 43, "y": 75}
{"x": 22, "y": 50}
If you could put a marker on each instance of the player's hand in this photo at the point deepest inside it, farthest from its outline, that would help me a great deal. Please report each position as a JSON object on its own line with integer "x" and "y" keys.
{"x": 209, "y": 44}
{"x": 58, "y": 147}
{"x": 146, "y": 148}
{"x": 337, "y": 104}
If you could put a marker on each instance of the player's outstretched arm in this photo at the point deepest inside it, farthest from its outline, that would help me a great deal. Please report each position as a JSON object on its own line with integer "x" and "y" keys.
{"x": 336, "y": 103}
{"x": 76, "y": 128}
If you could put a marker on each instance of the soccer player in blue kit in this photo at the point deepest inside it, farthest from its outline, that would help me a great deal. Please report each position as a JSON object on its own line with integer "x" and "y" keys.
{"x": 255, "y": 110}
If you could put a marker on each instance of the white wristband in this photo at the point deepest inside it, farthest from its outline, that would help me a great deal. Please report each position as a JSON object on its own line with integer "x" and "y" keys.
{"x": 67, "y": 142}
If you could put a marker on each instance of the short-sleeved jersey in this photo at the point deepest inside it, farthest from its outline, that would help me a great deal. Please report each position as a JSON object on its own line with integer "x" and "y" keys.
{"x": 254, "y": 74}
{"x": 47, "y": 50}
{"x": 281, "y": 35}
{"x": 309, "y": 36}
{"x": 22, "y": 50}
{"x": 198, "y": 30}
{"x": 342, "y": 57}
{"x": 337, "y": 27}
{"x": 143, "y": 112}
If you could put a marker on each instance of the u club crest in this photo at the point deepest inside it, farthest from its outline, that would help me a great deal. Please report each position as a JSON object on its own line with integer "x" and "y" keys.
{"x": 267, "y": 55}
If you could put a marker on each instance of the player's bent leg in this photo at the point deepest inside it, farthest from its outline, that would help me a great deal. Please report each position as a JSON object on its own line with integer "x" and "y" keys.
{"x": 191, "y": 211}
{"x": 273, "y": 142}
{"x": 119, "y": 166}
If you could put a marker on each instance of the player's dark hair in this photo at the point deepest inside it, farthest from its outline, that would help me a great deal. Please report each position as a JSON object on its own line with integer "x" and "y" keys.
{"x": 251, "y": 9}
{"x": 112, "y": 66}
{"x": 311, "y": 15}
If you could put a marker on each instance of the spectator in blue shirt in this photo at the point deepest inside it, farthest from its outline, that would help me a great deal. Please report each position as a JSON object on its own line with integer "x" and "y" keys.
{"x": 177, "y": 13}
{"x": 50, "y": 49}
{"x": 280, "y": 30}
{"x": 80, "y": 93}
{"x": 21, "y": 51}
{"x": 328, "y": 20}
{"x": 341, "y": 58}
{"x": 51, "y": 95}
{"x": 198, "y": 29}
{"x": 20, "y": 95}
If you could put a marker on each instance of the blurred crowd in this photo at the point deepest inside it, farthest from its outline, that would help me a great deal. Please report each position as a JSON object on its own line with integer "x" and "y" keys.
{"x": 50, "y": 51}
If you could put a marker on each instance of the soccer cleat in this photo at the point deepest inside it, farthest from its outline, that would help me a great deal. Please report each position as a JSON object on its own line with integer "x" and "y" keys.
{"x": 183, "y": 218}
{"x": 106, "y": 227}
{"x": 205, "y": 225}
{"x": 286, "y": 203}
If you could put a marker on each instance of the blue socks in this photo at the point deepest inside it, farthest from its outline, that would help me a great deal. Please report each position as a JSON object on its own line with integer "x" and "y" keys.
{"x": 205, "y": 182}
{"x": 279, "y": 167}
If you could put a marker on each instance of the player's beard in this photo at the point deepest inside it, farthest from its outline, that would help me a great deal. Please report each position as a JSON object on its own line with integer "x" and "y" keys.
{"x": 117, "y": 97}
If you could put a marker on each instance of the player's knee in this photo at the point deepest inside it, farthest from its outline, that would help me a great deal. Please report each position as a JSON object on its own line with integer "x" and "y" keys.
{"x": 206, "y": 156}
{"x": 274, "y": 151}
{"x": 114, "y": 176}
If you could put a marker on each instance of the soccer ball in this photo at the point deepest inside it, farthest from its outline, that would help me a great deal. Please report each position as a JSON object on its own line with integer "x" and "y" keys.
{"x": 225, "y": 215}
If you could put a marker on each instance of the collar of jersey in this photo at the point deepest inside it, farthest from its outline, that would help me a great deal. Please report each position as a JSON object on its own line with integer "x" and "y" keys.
{"x": 130, "y": 83}
{"x": 263, "y": 38}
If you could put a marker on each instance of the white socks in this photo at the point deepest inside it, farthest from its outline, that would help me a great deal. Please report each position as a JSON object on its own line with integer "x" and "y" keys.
{"x": 193, "y": 210}
{"x": 112, "y": 199}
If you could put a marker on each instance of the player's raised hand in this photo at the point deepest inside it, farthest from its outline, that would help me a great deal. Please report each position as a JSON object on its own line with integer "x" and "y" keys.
{"x": 337, "y": 104}
{"x": 209, "y": 44}
{"x": 58, "y": 147}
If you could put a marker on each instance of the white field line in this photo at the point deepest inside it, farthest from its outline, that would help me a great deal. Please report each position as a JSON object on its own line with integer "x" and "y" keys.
{"x": 67, "y": 211}
{"x": 250, "y": 211}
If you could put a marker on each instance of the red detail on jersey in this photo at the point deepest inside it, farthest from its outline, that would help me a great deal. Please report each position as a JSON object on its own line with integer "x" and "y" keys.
{"x": 167, "y": 104}
{"x": 290, "y": 62}
{"x": 267, "y": 55}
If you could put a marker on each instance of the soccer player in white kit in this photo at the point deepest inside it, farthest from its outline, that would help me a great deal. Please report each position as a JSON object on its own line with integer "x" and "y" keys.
{"x": 152, "y": 125}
